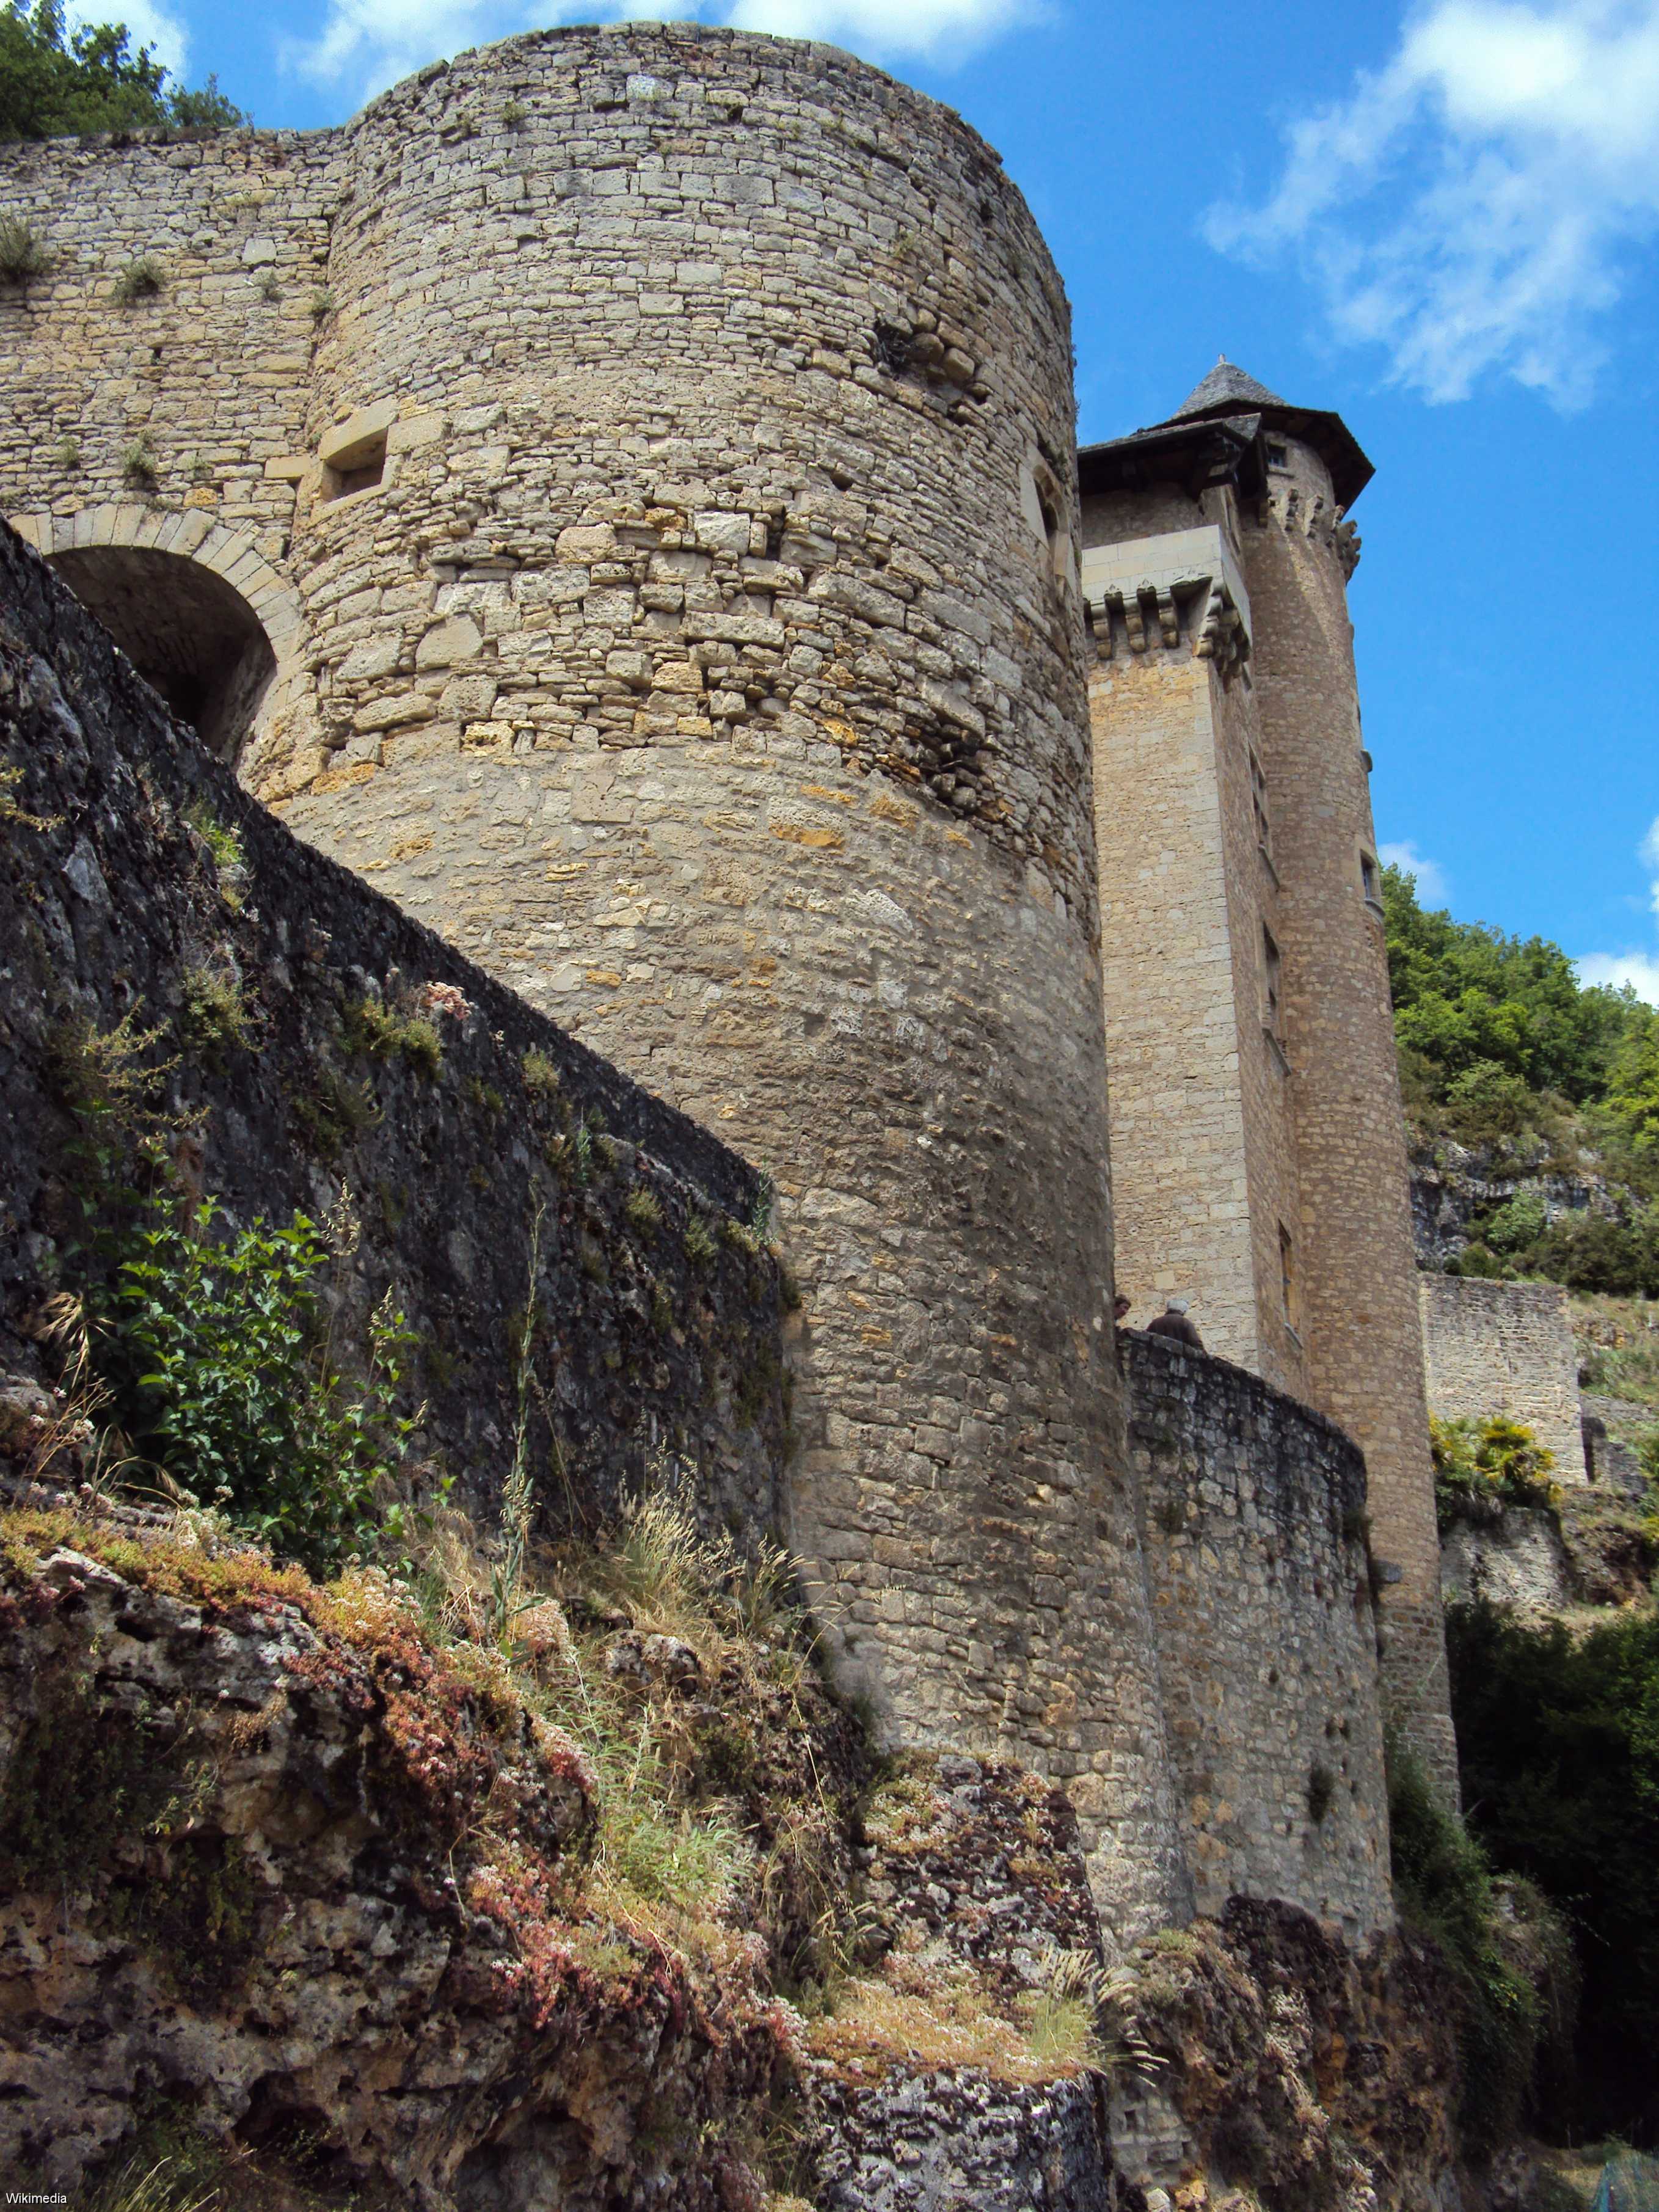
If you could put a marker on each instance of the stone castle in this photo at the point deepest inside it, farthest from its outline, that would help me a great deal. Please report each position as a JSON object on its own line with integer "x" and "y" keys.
{"x": 619, "y": 496}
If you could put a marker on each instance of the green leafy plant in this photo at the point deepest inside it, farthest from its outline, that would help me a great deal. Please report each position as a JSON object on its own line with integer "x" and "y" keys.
{"x": 1480, "y": 1467}
{"x": 224, "y": 842}
{"x": 142, "y": 279}
{"x": 322, "y": 305}
{"x": 541, "y": 1078}
{"x": 371, "y": 1028}
{"x": 216, "y": 1360}
{"x": 213, "y": 1015}
{"x": 22, "y": 254}
{"x": 68, "y": 456}
{"x": 700, "y": 1242}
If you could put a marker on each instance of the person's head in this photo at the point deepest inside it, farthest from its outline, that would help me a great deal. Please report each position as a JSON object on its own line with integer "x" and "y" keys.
{"x": 1120, "y": 1308}
{"x": 1175, "y": 1305}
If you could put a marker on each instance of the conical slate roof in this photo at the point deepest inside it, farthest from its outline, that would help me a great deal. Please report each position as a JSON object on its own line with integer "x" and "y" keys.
{"x": 1226, "y": 386}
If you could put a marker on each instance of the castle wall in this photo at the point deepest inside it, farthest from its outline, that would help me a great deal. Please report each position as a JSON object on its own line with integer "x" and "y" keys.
{"x": 686, "y": 561}
{"x": 658, "y": 1337}
{"x": 208, "y": 378}
{"x": 1357, "y": 1278}
{"x": 1255, "y": 1538}
{"x": 1504, "y": 1348}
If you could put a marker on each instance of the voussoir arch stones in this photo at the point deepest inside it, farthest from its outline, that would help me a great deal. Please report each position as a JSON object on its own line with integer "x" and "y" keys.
{"x": 197, "y": 607}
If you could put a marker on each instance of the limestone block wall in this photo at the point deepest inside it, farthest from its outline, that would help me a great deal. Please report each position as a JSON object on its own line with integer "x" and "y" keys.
{"x": 1261, "y": 1592}
{"x": 1504, "y": 1348}
{"x": 169, "y": 423}
{"x": 684, "y": 552}
{"x": 1358, "y": 1280}
{"x": 657, "y": 1350}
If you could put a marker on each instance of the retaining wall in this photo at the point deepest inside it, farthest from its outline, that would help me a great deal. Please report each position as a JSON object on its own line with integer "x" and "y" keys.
{"x": 1255, "y": 1548}
{"x": 1505, "y": 1348}
{"x": 658, "y": 1338}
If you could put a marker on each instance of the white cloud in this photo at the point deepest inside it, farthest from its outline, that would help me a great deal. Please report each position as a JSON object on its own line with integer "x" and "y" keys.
{"x": 1479, "y": 203}
{"x": 1433, "y": 887}
{"x": 1640, "y": 970}
{"x": 164, "y": 33}
{"x": 370, "y": 44}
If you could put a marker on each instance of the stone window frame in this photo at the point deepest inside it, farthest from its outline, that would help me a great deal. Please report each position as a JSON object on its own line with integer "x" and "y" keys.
{"x": 352, "y": 456}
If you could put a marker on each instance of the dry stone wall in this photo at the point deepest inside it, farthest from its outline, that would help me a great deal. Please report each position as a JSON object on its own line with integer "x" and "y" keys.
{"x": 1255, "y": 1535}
{"x": 1508, "y": 1348}
{"x": 260, "y": 995}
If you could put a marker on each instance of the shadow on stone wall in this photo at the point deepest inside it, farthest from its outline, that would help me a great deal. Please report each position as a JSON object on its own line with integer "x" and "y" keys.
{"x": 305, "y": 1039}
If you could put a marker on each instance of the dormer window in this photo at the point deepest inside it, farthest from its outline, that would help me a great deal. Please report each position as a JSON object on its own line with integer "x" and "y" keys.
{"x": 1278, "y": 456}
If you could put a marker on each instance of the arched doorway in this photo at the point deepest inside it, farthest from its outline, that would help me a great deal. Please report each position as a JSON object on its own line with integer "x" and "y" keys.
{"x": 185, "y": 629}
{"x": 201, "y": 614}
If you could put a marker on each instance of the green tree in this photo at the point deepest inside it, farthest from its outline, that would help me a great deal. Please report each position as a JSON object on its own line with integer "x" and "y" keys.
{"x": 54, "y": 86}
{"x": 1559, "y": 1747}
{"x": 1496, "y": 1017}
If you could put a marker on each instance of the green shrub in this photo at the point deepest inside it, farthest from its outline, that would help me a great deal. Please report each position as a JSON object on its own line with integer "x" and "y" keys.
{"x": 224, "y": 842}
{"x": 1559, "y": 1744}
{"x": 1444, "y": 1891}
{"x": 644, "y": 1213}
{"x": 373, "y": 1029}
{"x": 699, "y": 1242}
{"x": 1480, "y": 1467}
{"x": 141, "y": 464}
{"x": 541, "y": 1078}
{"x": 140, "y": 280}
{"x": 22, "y": 254}
{"x": 1519, "y": 1224}
{"x": 220, "y": 1375}
{"x": 213, "y": 1017}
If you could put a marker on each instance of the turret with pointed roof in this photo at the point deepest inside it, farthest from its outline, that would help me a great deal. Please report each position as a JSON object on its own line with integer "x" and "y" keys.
{"x": 1216, "y": 435}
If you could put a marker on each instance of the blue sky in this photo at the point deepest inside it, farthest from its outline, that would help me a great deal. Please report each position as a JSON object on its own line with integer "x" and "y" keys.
{"x": 1439, "y": 219}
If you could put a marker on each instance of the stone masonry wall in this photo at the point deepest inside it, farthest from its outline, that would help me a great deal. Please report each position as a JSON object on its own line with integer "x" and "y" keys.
{"x": 1358, "y": 1280}
{"x": 1504, "y": 1348}
{"x": 174, "y": 421}
{"x": 1255, "y": 1538}
{"x": 659, "y": 1319}
{"x": 707, "y": 662}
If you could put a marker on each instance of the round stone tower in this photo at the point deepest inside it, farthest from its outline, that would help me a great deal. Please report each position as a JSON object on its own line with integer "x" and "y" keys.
{"x": 1355, "y": 1286}
{"x": 689, "y": 575}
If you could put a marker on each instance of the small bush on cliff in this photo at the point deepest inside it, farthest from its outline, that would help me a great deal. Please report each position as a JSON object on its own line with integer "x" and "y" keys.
{"x": 1480, "y": 1467}
{"x": 216, "y": 1358}
{"x": 22, "y": 254}
{"x": 1444, "y": 1889}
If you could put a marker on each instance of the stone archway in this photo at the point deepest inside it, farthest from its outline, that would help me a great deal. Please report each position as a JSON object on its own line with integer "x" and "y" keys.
{"x": 195, "y": 607}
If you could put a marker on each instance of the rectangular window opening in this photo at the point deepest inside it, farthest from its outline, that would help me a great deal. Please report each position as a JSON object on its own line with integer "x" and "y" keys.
{"x": 1370, "y": 882}
{"x": 356, "y": 468}
{"x": 1271, "y": 986}
{"x": 1287, "y": 1282}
